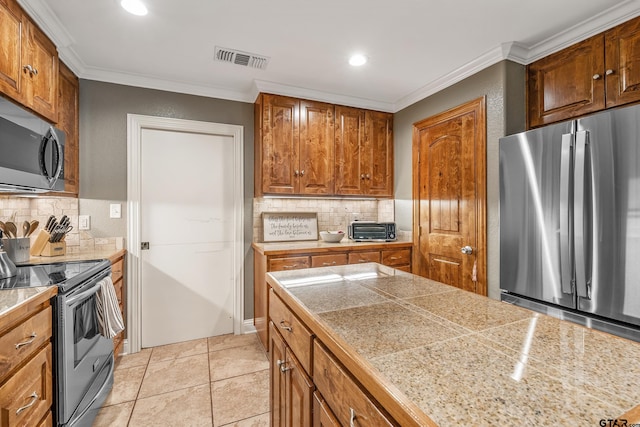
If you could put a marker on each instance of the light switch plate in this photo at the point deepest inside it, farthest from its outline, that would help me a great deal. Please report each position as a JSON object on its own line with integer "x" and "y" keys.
{"x": 84, "y": 222}
{"x": 115, "y": 210}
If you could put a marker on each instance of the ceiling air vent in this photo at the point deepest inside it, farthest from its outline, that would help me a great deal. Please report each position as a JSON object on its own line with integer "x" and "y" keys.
{"x": 241, "y": 58}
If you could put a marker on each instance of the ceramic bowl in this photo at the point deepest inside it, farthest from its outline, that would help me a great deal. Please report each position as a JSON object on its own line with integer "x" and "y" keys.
{"x": 332, "y": 236}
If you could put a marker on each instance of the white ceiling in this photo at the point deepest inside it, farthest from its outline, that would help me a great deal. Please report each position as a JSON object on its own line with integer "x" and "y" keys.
{"x": 415, "y": 47}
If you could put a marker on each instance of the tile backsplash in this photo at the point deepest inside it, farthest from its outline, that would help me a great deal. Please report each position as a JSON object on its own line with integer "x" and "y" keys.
{"x": 333, "y": 214}
{"x": 20, "y": 209}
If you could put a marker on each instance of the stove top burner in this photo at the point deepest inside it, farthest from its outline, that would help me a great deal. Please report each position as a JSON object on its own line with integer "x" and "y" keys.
{"x": 64, "y": 274}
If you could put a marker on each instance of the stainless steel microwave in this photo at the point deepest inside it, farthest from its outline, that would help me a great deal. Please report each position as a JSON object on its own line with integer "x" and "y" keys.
{"x": 31, "y": 152}
{"x": 361, "y": 231}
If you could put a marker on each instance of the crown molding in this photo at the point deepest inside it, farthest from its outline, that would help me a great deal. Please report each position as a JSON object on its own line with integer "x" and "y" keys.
{"x": 316, "y": 95}
{"x": 48, "y": 22}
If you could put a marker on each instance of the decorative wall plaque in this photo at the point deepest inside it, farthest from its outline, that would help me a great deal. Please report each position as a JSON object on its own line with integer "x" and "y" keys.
{"x": 289, "y": 226}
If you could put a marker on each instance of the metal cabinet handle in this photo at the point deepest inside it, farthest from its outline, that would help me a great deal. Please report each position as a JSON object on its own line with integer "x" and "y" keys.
{"x": 34, "y": 399}
{"x": 362, "y": 176}
{"x": 368, "y": 176}
{"x": 467, "y": 250}
{"x": 608, "y": 72}
{"x": 363, "y": 260}
{"x": 352, "y": 418}
{"x": 30, "y": 70}
{"x": 296, "y": 173}
{"x": 394, "y": 257}
{"x": 285, "y": 327}
{"x": 302, "y": 172}
{"x": 596, "y": 76}
{"x": 20, "y": 344}
{"x": 290, "y": 266}
{"x": 329, "y": 263}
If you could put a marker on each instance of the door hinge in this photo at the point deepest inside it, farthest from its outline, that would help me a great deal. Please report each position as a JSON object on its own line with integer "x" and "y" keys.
{"x": 144, "y": 246}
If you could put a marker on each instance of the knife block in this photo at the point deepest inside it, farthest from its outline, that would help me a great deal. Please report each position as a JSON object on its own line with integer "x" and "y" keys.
{"x": 43, "y": 247}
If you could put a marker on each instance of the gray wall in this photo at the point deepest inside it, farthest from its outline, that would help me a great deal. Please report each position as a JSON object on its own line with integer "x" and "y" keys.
{"x": 103, "y": 151}
{"x": 503, "y": 84}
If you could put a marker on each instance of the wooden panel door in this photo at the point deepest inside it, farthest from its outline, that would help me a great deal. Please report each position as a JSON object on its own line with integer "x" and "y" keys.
{"x": 622, "y": 63}
{"x": 350, "y": 151}
{"x": 316, "y": 151}
{"x": 449, "y": 196}
{"x": 322, "y": 415}
{"x": 277, "y": 349}
{"x": 299, "y": 393}
{"x": 567, "y": 84}
{"x": 280, "y": 144}
{"x": 12, "y": 21}
{"x": 68, "y": 110}
{"x": 379, "y": 152}
{"x": 42, "y": 92}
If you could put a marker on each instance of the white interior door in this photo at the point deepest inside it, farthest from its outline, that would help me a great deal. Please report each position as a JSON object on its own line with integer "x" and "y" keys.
{"x": 187, "y": 216}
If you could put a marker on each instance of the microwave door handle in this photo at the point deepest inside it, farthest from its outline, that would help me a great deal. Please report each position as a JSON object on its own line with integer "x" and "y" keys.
{"x": 56, "y": 167}
{"x": 566, "y": 262}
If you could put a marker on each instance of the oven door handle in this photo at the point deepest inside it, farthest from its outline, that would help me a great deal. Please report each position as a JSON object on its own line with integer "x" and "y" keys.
{"x": 83, "y": 295}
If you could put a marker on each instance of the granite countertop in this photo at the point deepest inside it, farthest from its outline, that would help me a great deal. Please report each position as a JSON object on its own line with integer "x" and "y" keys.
{"x": 78, "y": 256}
{"x": 13, "y": 299}
{"x": 320, "y": 245}
{"x": 461, "y": 358}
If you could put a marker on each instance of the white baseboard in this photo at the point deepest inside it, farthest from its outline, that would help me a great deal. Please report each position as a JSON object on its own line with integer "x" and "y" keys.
{"x": 247, "y": 327}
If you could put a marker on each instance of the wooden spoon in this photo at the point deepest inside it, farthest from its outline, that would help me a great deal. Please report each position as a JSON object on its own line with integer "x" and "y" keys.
{"x": 4, "y": 229}
{"x": 33, "y": 226}
{"x": 11, "y": 229}
{"x": 25, "y": 228}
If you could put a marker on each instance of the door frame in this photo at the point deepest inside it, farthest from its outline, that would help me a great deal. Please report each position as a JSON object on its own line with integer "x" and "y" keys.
{"x": 478, "y": 107}
{"x": 135, "y": 124}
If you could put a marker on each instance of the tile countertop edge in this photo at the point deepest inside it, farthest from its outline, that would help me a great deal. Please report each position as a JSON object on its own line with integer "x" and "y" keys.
{"x": 395, "y": 402}
{"x": 11, "y": 316}
{"x": 319, "y": 246}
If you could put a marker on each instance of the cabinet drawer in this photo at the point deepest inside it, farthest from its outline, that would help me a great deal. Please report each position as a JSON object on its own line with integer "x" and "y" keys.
{"x": 396, "y": 257}
{"x": 295, "y": 334}
{"x": 289, "y": 263}
{"x": 24, "y": 340}
{"x": 345, "y": 398}
{"x": 328, "y": 260}
{"x": 358, "y": 257}
{"x": 117, "y": 270}
{"x": 406, "y": 268}
{"x": 27, "y": 396}
{"x": 322, "y": 415}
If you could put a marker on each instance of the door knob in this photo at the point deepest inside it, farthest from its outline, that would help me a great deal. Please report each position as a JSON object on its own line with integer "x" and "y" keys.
{"x": 467, "y": 250}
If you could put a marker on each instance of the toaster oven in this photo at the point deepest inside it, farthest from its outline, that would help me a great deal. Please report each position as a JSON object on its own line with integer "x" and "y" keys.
{"x": 364, "y": 231}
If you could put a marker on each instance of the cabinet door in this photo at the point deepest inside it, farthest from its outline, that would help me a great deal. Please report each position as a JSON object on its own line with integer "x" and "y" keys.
{"x": 378, "y": 167}
{"x": 42, "y": 91}
{"x": 280, "y": 144}
{"x": 12, "y": 22}
{"x": 567, "y": 84}
{"x": 322, "y": 415}
{"x": 277, "y": 379}
{"x": 317, "y": 159}
{"x": 68, "y": 121}
{"x": 350, "y": 151}
{"x": 299, "y": 392}
{"x": 622, "y": 60}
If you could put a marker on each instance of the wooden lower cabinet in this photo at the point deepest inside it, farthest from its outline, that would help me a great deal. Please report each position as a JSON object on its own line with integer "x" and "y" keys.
{"x": 291, "y": 388}
{"x": 338, "y": 399}
{"x": 117, "y": 276}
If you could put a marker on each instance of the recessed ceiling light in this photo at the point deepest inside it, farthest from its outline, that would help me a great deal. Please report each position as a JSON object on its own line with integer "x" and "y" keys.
{"x": 135, "y": 7}
{"x": 357, "y": 60}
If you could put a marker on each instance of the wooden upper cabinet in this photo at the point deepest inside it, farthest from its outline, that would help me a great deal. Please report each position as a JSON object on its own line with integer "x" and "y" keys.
{"x": 600, "y": 72}
{"x": 622, "y": 63}
{"x": 378, "y": 167}
{"x": 12, "y": 21}
{"x": 68, "y": 110}
{"x": 279, "y": 147}
{"x": 316, "y": 151}
{"x": 28, "y": 62}
{"x": 567, "y": 84}
{"x": 350, "y": 148}
{"x": 42, "y": 90}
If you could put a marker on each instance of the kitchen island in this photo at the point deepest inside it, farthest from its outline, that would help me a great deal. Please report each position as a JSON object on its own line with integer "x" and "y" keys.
{"x": 425, "y": 353}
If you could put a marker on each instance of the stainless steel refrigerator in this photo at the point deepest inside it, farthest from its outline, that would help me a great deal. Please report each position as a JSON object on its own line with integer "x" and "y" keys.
{"x": 570, "y": 220}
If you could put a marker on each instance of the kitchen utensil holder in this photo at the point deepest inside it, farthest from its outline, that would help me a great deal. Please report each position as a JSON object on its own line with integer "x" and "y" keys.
{"x": 17, "y": 249}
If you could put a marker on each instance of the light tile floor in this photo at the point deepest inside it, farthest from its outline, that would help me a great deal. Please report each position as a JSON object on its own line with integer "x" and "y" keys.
{"x": 214, "y": 382}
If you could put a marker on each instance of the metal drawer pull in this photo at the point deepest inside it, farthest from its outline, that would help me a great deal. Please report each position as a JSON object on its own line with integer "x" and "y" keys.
{"x": 34, "y": 399}
{"x": 596, "y": 76}
{"x": 363, "y": 260}
{"x": 286, "y": 328}
{"x": 289, "y": 266}
{"x": 394, "y": 257}
{"x": 329, "y": 263}
{"x": 608, "y": 72}
{"x": 20, "y": 344}
{"x": 352, "y": 419}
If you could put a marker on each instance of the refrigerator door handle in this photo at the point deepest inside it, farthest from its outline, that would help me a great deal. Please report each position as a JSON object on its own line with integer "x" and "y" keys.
{"x": 579, "y": 211}
{"x": 566, "y": 257}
